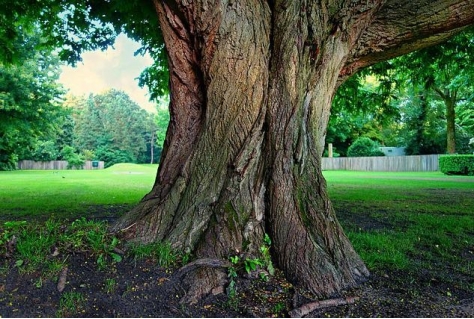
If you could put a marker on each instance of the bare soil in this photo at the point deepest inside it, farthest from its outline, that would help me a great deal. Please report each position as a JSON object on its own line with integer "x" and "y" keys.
{"x": 142, "y": 289}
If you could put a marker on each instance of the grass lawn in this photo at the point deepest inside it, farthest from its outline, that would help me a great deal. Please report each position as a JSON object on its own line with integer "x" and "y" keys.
{"x": 407, "y": 220}
{"x": 393, "y": 219}
{"x": 71, "y": 193}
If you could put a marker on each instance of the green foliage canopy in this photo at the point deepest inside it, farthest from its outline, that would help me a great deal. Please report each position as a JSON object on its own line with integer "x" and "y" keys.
{"x": 73, "y": 27}
{"x": 114, "y": 127}
{"x": 364, "y": 146}
{"x": 29, "y": 102}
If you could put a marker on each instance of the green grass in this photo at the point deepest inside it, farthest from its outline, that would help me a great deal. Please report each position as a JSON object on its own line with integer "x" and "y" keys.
{"x": 45, "y": 198}
{"x": 69, "y": 193}
{"x": 162, "y": 253}
{"x": 394, "y": 220}
{"x": 71, "y": 304}
{"x": 407, "y": 220}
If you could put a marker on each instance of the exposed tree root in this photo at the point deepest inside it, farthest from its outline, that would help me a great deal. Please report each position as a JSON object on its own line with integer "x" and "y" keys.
{"x": 199, "y": 263}
{"x": 202, "y": 277}
{"x": 310, "y": 307}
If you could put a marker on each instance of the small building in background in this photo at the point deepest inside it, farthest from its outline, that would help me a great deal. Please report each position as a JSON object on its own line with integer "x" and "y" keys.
{"x": 393, "y": 151}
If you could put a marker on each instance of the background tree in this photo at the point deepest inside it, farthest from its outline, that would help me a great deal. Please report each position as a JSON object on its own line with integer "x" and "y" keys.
{"x": 414, "y": 99}
{"x": 445, "y": 73}
{"x": 363, "y": 107}
{"x": 153, "y": 151}
{"x": 29, "y": 101}
{"x": 251, "y": 85}
{"x": 423, "y": 129}
{"x": 162, "y": 120}
{"x": 114, "y": 127}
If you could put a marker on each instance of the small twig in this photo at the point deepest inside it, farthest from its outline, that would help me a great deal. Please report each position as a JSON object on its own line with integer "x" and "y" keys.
{"x": 310, "y": 307}
{"x": 62, "y": 280}
{"x": 11, "y": 246}
{"x": 118, "y": 251}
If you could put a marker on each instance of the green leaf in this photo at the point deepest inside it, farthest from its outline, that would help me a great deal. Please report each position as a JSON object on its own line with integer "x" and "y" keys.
{"x": 116, "y": 257}
{"x": 234, "y": 259}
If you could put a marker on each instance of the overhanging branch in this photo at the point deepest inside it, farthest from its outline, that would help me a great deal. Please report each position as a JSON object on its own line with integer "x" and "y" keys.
{"x": 404, "y": 26}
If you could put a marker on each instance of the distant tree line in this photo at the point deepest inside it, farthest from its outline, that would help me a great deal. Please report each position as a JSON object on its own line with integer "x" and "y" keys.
{"x": 38, "y": 122}
{"x": 113, "y": 128}
{"x": 109, "y": 127}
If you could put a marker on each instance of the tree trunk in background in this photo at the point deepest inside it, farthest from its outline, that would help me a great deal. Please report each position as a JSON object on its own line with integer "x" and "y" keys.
{"x": 251, "y": 88}
{"x": 449, "y": 97}
{"x": 152, "y": 146}
{"x": 450, "y": 103}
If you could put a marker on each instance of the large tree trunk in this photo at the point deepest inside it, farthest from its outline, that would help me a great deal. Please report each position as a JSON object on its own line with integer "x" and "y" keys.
{"x": 251, "y": 88}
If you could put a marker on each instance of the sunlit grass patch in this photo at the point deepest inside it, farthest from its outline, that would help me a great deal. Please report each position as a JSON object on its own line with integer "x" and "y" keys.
{"x": 380, "y": 250}
{"x": 406, "y": 220}
{"x": 70, "y": 193}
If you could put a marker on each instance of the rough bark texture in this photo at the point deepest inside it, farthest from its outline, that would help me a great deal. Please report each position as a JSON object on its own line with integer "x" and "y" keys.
{"x": 251, "y": 88}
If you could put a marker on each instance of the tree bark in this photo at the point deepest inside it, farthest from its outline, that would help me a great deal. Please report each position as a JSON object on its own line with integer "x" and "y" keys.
{"x": 450, "y": 126}
{"x": 449, "y": 98}
{"x": 251, "y": 88}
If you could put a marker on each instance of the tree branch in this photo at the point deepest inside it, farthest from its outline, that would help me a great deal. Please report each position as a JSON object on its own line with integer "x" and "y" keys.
{"x": 440, "y": 93}
{"x": 403, "y": 26}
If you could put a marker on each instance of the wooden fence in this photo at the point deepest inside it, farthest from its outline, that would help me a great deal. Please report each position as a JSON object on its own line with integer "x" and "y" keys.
{"x": 414, "y": 163}
{"x": 58, "y": 165}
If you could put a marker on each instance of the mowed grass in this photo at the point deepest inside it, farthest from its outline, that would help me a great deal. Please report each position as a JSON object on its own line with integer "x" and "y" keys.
{"x": 71, "y": 193}
{"x": 394, "y": 220}
{"x": 407, "y": 220}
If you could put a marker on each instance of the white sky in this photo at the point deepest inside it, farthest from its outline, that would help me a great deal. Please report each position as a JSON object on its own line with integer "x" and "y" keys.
{"x": 115, "y": 68}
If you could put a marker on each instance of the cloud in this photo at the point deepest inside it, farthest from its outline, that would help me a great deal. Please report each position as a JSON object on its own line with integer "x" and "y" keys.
{"x": 114, "y": 68}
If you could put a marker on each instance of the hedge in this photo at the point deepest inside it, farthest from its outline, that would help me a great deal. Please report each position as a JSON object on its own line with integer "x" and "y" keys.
{"x": 457, "y": 164}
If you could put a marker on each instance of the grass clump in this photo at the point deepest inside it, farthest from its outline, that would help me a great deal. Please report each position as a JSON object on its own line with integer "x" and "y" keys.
{"x": 110, "y": 285}
{"x": 71, "y": 304}
{"x": 45, "y": 247}
{"x": 161, "y": 253}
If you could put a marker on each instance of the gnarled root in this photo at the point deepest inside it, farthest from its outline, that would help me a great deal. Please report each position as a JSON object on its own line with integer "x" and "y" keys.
{"x": 310, "y": 307}
{"x": 202, "y": 277}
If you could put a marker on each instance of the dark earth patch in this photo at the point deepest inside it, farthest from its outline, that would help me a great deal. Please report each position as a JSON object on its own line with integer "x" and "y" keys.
{"x": 142, "y": 289}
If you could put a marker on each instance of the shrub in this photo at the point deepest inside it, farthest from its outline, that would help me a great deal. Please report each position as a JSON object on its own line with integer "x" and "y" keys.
{"x": 457, "y": 164}
{"x": 45, "y": 151}
{"x": 74, "y": 160}
{"x": 111, "y": 157}
{"x": 364, "y": 146}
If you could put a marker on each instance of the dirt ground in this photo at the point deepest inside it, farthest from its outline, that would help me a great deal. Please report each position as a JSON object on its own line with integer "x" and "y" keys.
{"x": 141, "y": 289}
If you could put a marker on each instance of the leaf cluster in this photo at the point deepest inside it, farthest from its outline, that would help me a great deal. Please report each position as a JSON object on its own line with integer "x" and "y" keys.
{"x": 30, "y": 102}
{"x": 72, "y": 27}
